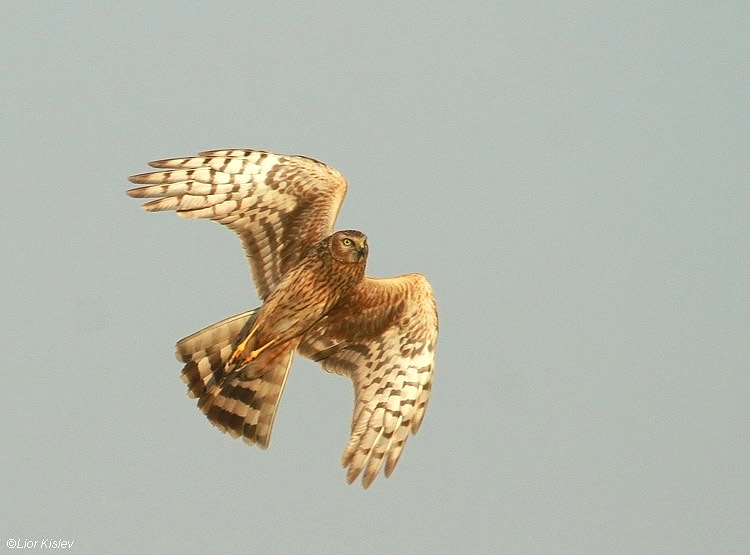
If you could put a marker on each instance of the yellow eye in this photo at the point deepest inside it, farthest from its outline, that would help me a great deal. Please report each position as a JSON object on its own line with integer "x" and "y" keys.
{"x": 347, "y": 242}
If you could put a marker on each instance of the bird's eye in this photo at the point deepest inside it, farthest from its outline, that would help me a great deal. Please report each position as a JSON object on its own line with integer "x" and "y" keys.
{"x": 347, "y": 242}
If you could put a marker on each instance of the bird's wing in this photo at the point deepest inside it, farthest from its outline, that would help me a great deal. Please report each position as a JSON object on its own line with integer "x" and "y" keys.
{"x": 279, "y": 205}
{"x": 383, "y": 337}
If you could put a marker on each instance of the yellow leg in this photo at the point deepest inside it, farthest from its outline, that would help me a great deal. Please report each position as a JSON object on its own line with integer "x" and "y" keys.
{"x": 254, "y": 354}
{"x": 243, "y": 344}
{"x": 241, "y": 347}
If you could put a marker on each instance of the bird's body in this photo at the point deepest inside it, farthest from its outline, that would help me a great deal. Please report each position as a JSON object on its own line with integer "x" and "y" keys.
{"x": 328, "y": 272}
{"x": 316, "y": 301}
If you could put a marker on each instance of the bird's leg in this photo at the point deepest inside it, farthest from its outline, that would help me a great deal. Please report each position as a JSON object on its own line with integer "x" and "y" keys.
{"x": 254, "y": 354}
{"x": 240, "y": 349}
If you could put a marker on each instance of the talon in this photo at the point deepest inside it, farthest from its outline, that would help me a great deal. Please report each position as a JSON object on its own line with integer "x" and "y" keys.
{"x": 238, "y": 351}
{"x": 254, "y": 354}
{"x": 241, "y": 346}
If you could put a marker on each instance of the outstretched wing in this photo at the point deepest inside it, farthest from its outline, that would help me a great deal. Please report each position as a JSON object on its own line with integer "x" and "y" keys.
{"x": 279, "y": 205}
{"x": 384, "y": 339}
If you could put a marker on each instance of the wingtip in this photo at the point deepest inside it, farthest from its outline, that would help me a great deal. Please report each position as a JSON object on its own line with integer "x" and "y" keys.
{"x": 139, "y": 178}
{"x": 134, "y": 192}
{"x": 368, "y": 480}
{"x": 352, "y": 474}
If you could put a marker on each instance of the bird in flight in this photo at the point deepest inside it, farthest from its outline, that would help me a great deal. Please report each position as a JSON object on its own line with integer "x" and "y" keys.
{"x": 316, "y": 300}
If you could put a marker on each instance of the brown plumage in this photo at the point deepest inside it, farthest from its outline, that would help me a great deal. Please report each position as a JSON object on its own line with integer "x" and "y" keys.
{"x": 317, "y": 301}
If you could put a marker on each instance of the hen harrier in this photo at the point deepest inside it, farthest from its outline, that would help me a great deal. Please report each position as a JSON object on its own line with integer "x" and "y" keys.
{"x": 316, "y": 300}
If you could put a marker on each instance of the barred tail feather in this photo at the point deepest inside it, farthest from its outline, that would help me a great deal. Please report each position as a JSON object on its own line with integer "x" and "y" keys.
{"x": 206, "y": 351}
{"x": 242, "y": 403}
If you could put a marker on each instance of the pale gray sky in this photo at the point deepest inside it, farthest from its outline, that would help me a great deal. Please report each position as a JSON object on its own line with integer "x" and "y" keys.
{"x": 571, "y": 177}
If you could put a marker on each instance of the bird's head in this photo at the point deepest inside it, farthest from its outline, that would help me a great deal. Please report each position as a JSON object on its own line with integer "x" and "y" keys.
{"x": 349, "y": 246}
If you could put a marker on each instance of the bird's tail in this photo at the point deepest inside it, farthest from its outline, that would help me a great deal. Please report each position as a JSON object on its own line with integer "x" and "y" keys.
{"x": 242, "y": 402}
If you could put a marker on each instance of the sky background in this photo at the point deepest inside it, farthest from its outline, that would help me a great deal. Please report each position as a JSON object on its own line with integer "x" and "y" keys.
{"x": 571, "y": 177}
